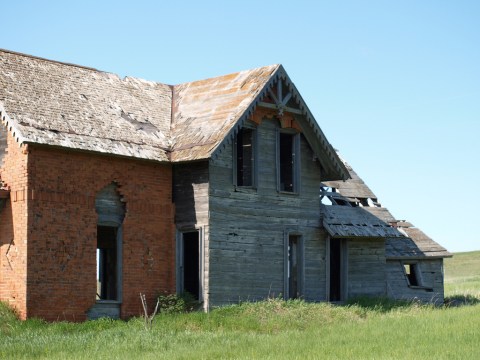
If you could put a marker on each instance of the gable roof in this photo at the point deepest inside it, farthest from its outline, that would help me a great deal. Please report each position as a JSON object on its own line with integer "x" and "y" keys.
{"x": 208, "y": 113}
{"x": 402, "y": 239}
{"x": 58, "y": 104}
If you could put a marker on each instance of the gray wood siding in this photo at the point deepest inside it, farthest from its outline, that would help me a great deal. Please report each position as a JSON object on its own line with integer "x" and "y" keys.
{"x": 366, "y": 268}
{"x": 190, "y": 196}
{"x": 248, "y": 227}
{"x": 432, "y": 276}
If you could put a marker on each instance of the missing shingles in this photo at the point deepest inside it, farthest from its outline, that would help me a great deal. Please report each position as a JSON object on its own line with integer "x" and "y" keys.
{"x": 144, "y": 126}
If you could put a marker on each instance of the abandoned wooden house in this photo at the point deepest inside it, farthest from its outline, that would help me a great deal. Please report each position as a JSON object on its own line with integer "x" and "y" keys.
{"x": 111, "y": 187}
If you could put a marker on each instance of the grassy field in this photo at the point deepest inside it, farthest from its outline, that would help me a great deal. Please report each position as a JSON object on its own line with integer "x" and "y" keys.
{"x": 272, "y": 329}
{"x": 462, "y": 274}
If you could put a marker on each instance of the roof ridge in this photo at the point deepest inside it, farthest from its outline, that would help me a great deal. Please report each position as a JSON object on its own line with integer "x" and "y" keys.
{"x": 273, "y": 66}
{"x": 50, "y": 60}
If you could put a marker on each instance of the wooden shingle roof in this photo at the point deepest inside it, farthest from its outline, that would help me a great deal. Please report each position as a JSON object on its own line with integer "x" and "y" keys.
{"x": 206, "y": 111}
{"x": 57, "y": 104}
{"x": 346, "y": 222}
{"x": 416, "y": 244}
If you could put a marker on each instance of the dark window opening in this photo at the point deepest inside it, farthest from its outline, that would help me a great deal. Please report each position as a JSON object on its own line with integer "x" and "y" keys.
{"x": 411, "y": 272}
{"x": 287, "y": 158}
{"x": 335, "y": 270}
{"x": 107, "y": 267}
{"x": 245, "y": 153}
{"x": 191, "y": 263}
{"x": 294, "y": 267}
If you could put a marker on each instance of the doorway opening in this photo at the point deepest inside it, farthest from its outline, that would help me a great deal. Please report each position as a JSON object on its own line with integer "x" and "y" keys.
{"x": 190, "y": 256}
{"x": 107, "y": 263}
{"x": 337, "y": 270}
{"x": 293, "y": 266}
{"x": 110, "y": 209}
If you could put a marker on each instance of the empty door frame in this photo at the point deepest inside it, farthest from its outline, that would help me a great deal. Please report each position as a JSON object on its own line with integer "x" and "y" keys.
{"x": 342, "y": 267}
{"x": 182, "y": 236}
{"x": 297, "y": 239}
{"x": 110, "y": 210}
{"x": 109, "y": 262}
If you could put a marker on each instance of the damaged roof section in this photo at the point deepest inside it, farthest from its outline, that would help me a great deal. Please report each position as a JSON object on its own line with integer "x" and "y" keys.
{"x": 354, "y": 190}
{"x": 356, "y": 212}
{"x": 57, "y": 104}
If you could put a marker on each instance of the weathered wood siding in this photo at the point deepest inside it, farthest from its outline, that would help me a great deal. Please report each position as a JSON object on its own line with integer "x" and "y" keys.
{"x": 248, "y": 227}
{"x": 432, "y": 276}
{"x": 366, "y": 268}
{"x": 190, "y": 196}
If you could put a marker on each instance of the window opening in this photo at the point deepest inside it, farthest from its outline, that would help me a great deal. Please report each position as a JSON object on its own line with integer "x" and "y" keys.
{"x": 287, "y": 162}
{"x": 191, "y": 263}
{"x": 107, "y": 268}
{"x": 245, "y": 157}
{"x": 412, "y": 274}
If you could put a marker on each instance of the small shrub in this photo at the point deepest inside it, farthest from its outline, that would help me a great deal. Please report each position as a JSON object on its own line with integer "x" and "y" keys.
{"x": 176, "y": 304}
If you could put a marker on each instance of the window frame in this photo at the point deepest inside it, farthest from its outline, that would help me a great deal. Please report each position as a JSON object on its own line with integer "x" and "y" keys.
{"x": 415, "y": 266}
{"x": 254, "y": 172}
{"x": 296, "y": 146}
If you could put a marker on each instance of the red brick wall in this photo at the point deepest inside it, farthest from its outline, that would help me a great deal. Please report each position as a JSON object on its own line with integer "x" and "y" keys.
{"x": 61, "y": 268}
{"x": 13, "y": 228}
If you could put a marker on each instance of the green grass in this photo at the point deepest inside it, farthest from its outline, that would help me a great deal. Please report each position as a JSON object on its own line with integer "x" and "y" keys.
{"x": 462, "y": 274}
{"x": 269, "y": 330}
{"x": 273, "y": 329}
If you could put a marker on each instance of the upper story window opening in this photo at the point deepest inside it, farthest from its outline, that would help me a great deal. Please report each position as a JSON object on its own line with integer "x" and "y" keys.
{"x": 245, "y": 157}
{"x": 288, "y": 161}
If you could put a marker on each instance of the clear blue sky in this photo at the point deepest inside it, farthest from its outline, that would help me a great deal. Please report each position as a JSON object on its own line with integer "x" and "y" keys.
{"x": 395, "y": 85}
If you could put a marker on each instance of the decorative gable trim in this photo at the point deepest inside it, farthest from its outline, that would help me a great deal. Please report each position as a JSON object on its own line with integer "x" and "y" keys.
{"x": 11, "y": 126}
{"x": 333, "y": 166}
